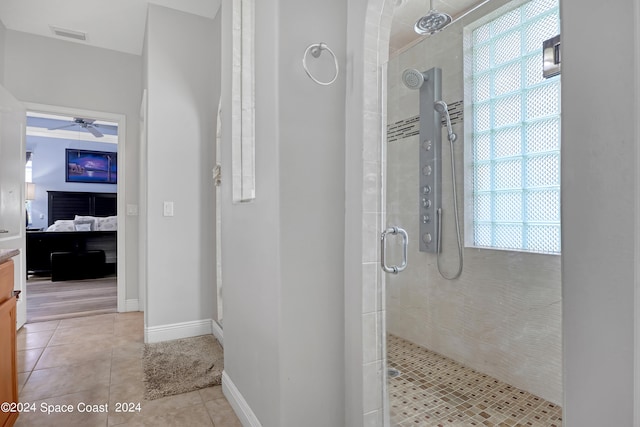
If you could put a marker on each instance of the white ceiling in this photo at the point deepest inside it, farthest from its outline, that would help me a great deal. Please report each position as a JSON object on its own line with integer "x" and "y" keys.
{"x": 119, "y": 24}
{"x": 407, "y": 12}
{"x": 111, "y": 24}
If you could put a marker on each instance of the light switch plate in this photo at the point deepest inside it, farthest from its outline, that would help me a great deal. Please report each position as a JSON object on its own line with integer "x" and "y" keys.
{"x": 168, "y": 209}
{"x": 132, "y": 210}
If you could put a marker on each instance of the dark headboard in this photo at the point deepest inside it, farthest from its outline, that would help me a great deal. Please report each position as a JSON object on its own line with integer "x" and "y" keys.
{"x": 68, "y": 204}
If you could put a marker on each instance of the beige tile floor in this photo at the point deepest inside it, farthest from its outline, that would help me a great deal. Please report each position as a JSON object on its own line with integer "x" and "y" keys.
{"x": 97, "y": 360}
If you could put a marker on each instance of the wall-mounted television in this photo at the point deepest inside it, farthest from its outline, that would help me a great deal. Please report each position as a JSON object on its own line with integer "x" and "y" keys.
{"x": 98, "y": 167}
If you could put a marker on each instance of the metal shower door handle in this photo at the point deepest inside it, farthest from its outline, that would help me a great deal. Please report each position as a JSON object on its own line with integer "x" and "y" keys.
{"x": 395, "y": 269}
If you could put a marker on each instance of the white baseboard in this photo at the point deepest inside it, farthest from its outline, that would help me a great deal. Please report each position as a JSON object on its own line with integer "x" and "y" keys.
{"x": 131, "y": 305}
{"x": 177, "y": 330}
{"x": 217, "y": 332}
{"x": 237, "y": 402}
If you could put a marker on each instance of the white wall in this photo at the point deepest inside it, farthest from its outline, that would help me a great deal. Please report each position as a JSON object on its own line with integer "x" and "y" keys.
{"x": 311, "y": 161}
{"x": 53, "y": 72}
{"x": 183, "y": 90}
{"x": 353, "y": 269}
{"x": 599, "y": 170}
{"x": 283, "y": 260}
{"x": 250, "y": 235}
{"x": 3, "y": 35}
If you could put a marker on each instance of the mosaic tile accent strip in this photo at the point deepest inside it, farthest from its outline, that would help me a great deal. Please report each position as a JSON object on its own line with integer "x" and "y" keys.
{"x": 456, "y": 110}
{"x": 435, "y": 391}
{"x": 403, "y": 129}
{"x": 411, "y": 126}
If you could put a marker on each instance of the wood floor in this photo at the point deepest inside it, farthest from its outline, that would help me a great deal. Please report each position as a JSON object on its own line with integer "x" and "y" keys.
{"x": 47, "y": 300}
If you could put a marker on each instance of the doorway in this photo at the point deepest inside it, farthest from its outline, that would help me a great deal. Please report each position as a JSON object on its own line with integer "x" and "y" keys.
{"x": 370, "y": 309}
{"x": 99, "y": 245}
{"x": 485, "y": 121}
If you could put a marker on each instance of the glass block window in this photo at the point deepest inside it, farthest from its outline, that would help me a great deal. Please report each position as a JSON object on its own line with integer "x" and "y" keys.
{"x": 515, "y": 131}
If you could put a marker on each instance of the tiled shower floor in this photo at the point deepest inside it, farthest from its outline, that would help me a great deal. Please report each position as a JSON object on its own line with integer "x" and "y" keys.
{"x": 433, "y": 391}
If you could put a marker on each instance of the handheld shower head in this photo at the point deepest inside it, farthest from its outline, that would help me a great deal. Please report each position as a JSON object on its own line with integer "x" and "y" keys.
{"x": 442, "y": 108}
{"x": 413, "y": 79}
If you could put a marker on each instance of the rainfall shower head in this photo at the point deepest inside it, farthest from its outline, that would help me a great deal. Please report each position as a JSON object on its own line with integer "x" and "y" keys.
{"x": 432, "y": 22}
{"x": 412, "y": 78}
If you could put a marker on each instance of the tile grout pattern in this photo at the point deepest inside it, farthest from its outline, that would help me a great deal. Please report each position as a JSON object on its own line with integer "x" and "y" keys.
{"x": 97, "y": 360}
{"x": 433, "y": 391}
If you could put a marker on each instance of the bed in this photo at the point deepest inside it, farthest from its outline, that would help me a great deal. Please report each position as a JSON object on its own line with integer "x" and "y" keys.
{"x": 81, "y": 240}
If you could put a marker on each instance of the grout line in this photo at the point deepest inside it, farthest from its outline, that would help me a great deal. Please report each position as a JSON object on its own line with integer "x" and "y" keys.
{"x": 440, "y": 389}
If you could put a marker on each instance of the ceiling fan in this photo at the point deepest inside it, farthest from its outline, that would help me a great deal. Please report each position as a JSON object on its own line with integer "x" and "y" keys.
{"x": 83, "y": 123}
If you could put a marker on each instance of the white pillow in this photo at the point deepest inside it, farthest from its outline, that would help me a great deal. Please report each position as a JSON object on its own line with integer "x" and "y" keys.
{"x": 82, "y": 226}
{"x": 93, "y": 219}
{"x": 62, "y": 225}
{"x": 108, "y": 223}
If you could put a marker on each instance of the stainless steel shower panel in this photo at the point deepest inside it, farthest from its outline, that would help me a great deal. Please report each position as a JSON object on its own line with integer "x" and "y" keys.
{"x": 430, "y": 172}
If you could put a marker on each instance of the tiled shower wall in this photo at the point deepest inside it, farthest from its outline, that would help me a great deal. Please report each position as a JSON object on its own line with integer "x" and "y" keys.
{"x": 503, "y": 315}
{"x": 377, "y": 28}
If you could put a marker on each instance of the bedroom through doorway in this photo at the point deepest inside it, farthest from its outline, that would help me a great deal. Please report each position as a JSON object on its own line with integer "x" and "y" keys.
{"x": 75, "y": 213}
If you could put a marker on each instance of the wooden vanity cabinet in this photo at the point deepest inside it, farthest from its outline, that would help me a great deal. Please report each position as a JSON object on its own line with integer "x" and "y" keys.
{"x": 8, "y": 354}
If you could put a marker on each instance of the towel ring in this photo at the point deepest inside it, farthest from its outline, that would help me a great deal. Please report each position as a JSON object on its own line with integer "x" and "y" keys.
{"x": 316, "y": 49}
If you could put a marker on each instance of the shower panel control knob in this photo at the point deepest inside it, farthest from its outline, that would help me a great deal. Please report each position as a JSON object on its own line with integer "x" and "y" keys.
{"x": 426, "y": 219}
{"x": 427, "y": 145}
{"x": 426, "y": 203}
{"x": 426, "y": 170}
{"x": 426, "y": 189}
{"x": 426, "y": 237}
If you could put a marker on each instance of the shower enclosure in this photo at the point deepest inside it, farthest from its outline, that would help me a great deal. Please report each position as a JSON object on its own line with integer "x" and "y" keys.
{"x": 456, "y": 337}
